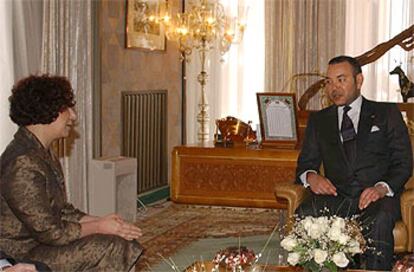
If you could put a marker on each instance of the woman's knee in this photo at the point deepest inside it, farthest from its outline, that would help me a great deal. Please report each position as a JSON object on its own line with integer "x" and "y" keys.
{"x": 113, "y": 243}
{"x": 116, "y": 253}
{"x": 103, "y": 242}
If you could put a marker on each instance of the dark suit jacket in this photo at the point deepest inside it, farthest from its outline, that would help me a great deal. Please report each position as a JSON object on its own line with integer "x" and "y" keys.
{"x": 3, "y": 255}
{"x": 382, "y": 155}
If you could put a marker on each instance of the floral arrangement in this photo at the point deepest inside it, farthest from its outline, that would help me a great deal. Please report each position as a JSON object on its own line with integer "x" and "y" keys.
{"x": 404, "y": 265}
{"x": 325, "y": 242}
{"x": 235, "y": 258}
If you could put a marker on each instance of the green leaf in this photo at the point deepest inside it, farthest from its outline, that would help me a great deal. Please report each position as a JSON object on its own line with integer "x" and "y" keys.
{"x": 312, "y": 266}
{"x": 331, "y": 266}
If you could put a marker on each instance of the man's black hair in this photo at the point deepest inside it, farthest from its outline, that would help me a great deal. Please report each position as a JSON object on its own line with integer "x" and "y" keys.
{"x": 356, "y": 67}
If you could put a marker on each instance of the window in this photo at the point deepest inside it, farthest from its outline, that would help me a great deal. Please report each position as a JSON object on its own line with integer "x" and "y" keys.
{"x": 369, "y": 23}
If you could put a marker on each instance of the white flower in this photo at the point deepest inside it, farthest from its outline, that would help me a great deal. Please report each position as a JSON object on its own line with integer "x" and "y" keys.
{"x": 334, "y": 233}
{"x": 354, "y": 247}
{"x": 289, "y": 243}
{"x": 343, "y": 239}
{"x": 320, "y": 255}
{"x": 323, "y": 223}
{"x": 340, "y": 259}
{"x": 293, "y": 258}
{"x": 307, "y": 222}
{"x": 315, "y": 231}
{"x": 338, "y": 222}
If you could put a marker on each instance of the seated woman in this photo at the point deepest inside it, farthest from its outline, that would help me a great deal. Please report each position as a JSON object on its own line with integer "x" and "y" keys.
{"x": 37, "y": 222}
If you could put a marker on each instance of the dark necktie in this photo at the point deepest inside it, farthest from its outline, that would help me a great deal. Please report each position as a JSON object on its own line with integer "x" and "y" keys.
{"x": 348, "y": 135}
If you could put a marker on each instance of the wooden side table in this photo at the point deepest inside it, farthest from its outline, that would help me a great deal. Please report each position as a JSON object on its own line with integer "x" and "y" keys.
{"x": 233, "y": 176}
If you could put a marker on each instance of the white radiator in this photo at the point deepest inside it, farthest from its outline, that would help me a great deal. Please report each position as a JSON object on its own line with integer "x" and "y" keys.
{"x": 113, "y": 187}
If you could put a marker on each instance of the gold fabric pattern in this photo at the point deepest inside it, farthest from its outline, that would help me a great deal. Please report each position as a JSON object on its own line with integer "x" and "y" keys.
{"x": 38, "y": 223}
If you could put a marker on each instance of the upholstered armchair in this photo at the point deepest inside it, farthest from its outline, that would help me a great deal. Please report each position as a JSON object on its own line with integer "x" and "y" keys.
{"x": 294, "y": 194}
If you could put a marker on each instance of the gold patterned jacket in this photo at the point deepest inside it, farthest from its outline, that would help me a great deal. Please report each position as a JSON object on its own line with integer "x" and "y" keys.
{"x": 33, "y": 206}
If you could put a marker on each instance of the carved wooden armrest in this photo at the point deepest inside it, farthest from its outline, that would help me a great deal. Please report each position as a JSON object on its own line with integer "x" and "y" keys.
{"x": 407, "y": 214}
{"x": 293, "y": 193}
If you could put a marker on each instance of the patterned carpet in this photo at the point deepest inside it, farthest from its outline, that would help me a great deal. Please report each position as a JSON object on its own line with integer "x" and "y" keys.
{"x": 169, "y": 227}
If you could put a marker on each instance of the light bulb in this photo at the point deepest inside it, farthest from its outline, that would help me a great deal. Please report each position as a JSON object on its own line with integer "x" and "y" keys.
{"x": 210, "y": 20}
{"x": 166, "y": 19}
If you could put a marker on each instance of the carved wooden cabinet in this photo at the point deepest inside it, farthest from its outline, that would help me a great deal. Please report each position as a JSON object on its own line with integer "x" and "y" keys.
{"x": 234, "y": 176}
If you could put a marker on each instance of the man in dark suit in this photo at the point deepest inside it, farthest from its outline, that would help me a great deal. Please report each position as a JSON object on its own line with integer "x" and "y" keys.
{"x": 366, "y": 155}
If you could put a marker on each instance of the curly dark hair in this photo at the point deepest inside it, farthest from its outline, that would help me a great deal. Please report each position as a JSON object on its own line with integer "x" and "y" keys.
{"x": 40, "y": 99}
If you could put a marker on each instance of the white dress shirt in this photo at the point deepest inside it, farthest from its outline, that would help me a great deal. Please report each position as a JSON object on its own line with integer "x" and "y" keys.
{"x": 4, "y": 263}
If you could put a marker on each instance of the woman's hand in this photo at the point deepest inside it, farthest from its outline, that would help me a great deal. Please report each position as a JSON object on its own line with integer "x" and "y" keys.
{"x": 115, "y": 225}
{"x": 111, "y": 224}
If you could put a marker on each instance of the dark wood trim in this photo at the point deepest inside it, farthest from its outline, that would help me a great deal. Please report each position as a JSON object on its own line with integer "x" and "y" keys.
{"x": 96, "y": 84}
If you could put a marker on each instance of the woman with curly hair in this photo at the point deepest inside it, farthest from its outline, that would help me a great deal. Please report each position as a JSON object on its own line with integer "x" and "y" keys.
{"x": 37, "y": 222}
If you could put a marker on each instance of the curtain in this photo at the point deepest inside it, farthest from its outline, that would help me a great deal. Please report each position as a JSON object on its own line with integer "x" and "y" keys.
{"x": 301, "y": 37}
{"x": 27, "y": 37}
{"x": 7, "y": 128}
{"x": 370, "y": 23}
{"x": 20, "y": 50}
{"x": 234, "y": 78}
{"x": 67, "y": 51}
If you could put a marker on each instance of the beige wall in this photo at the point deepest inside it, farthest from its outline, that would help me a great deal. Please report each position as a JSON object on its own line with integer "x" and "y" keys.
{"x": 129, "y": 70}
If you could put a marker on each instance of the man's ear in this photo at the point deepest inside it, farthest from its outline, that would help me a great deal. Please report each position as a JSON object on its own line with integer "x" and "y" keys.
{"x": 359, "y": 80}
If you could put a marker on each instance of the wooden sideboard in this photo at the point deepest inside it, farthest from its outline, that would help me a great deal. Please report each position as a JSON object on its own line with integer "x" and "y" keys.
{"x": 232, "y": 176}
{"x": 237, "y": 176}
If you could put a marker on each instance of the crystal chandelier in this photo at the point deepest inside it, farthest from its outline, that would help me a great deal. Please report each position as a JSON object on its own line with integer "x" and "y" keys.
{"x": 203, "y": 26}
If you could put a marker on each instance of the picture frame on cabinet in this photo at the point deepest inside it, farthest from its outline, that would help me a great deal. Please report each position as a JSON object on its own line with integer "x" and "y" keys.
{"x": 278, "y": 120}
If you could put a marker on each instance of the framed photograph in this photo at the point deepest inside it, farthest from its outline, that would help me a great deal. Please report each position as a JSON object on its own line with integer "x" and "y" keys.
{"x": 278, "y": 120}
{"x": 141, "y": 31}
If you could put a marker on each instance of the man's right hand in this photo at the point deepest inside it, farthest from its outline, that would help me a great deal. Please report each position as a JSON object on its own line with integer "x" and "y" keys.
{"x": 320, "y": 185}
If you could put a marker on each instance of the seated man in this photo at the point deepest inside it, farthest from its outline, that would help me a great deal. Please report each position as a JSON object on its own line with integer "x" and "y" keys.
{"x": 366, "y": 154}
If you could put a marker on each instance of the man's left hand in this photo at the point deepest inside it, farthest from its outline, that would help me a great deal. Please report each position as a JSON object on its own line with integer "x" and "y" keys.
{"x": 370, "y": 195}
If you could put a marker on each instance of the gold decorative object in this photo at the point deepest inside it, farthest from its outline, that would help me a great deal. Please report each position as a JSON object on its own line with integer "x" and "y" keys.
{"x": 203, "y": 26}
{"x": 234, "y": 131}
